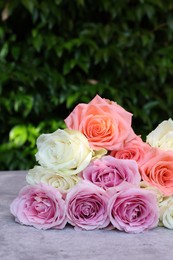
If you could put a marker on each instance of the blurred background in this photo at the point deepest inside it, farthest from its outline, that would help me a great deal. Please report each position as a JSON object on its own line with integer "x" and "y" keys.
{"x": 57, "y": 53}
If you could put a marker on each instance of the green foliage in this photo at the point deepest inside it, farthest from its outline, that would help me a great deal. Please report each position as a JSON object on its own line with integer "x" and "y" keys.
{"x": 55, "y": 54}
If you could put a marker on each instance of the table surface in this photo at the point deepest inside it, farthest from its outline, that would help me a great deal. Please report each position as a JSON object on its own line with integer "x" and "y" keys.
{"x": 19, "y": 242}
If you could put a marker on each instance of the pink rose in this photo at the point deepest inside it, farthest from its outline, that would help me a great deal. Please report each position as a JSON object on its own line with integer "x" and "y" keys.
{"x": 104, "y": 123}
{"x": 133, "y": 210}
{"x": 135, "y": 149}
{"x": 157, "y": 170}
{"x": 40, "y": 206}
{"x": 108, "y": 172}
{"x": 86, "y": 206}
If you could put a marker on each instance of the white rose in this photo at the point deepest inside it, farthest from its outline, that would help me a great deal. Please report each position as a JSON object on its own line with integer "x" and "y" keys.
{"x": 166, "y": 212}
{"x": 66, "y": 151}
{"x": 158, "y": 193}
{"x": 40, "y": 174}
{"x": 162, "y": 136}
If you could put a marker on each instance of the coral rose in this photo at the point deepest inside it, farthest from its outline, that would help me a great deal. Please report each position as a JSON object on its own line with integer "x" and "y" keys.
{"x": 134, "y": 149}
{"x": 157, "y": 170}
{"x": 104, "y": 123}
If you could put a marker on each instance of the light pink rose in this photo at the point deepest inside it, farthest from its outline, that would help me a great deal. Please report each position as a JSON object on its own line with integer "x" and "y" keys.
{"x": 104, "y": 123}
{"x": 108, "y": 172}
{"x": 135, "y": 149}
{"x": 86, "y": 206}
{"x": 40, "y": 206}
{"x": 157, "y": 170}
{"x": 133, "y": 210}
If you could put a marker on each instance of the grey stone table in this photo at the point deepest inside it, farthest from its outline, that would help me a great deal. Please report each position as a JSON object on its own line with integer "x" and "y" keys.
{"x": 18, "y": 242}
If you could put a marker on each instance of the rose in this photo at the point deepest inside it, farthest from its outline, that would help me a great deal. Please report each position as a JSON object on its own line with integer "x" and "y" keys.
{"x": 134, "y": 149}
{"x": 166, "y": 212}
{"x": 40, "y": 206}
{"x": 156, "y": 191}
{"x": 58, "y": 180}
{"x": 162, "y": 136}
{"x": 157, "y": 170}
{"x": 66, "y": 151}
{"x": 133, "y": 210}
{"x": 86, "y": 206}
{"x": 104, "y": 123}
{"x": 108, "y": 172}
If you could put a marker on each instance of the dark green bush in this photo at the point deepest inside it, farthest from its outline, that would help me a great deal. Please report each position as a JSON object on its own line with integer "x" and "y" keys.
{"x": 57, "y": 53}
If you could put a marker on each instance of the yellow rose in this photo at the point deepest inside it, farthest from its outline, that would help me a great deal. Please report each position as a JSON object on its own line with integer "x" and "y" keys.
{"x": 162, "y": 136}
{"x": 66, "y": 151}
{"x": 62, "y": 182}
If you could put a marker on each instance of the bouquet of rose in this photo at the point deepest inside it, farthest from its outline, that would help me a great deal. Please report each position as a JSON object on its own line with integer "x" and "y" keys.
{"x": 97, "y": 173}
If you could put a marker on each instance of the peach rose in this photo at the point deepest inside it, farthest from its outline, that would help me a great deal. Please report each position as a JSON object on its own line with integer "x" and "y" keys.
{"x": 104, "y": 123}
{"x": 135, "y": 149}
{"x": 157, "y": 170}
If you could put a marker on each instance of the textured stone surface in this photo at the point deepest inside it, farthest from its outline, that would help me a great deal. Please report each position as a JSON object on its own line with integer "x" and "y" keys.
{"x": 19, "y": 242}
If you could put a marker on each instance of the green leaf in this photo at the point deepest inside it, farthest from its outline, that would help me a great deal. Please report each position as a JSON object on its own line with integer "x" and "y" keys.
{"x": 81, "y": 2}
{"x": 170, "y": 21}
{"x": 148, "y": 106}
{"x": 1, "y": 33}
{"x": 4, "y": 50}
{"x": 150, "y": 11}
{"x": 37, "y": 42}
{"x": 18, "y": 135}
{"x": 29, "y": 4}
{"x": 15, "y": 52}
{"x": 68, "y": 66}
{"x": 23, "y": 103}
{"x": 71, "y": 99}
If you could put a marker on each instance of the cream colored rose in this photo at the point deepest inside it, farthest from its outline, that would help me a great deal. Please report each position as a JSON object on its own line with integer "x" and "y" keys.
{"x": 159, "y": 194}
{"x": 98, "y": 153}
{"x": 162, "y": 136}
{"x": 166, "y": 212}
{"x": 62, "y": 182}
{"x": 66, "y": 151}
